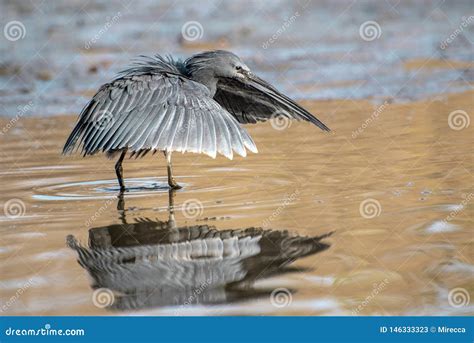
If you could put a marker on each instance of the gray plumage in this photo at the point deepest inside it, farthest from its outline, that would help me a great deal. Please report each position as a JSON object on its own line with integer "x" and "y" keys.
{"x": 156, "y": 105}
{"x": 152, "y": 263}
{"x": 196, "y": 105}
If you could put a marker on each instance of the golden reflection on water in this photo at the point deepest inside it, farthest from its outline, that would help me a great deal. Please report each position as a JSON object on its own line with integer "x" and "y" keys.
{"x": 393, "y": 181}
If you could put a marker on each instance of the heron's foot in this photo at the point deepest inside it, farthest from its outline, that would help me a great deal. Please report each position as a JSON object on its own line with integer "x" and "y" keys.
{"x": 173, "y": 185}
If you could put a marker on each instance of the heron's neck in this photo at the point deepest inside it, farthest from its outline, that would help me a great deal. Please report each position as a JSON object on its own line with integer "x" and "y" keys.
{"x": 207, "y": 79}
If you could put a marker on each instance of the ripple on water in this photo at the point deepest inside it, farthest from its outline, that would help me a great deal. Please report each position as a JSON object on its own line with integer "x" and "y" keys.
{"x": 100, "y": 189}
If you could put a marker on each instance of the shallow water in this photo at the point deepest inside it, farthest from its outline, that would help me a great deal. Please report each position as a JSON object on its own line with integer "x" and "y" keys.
{"x": 397, "y": 197}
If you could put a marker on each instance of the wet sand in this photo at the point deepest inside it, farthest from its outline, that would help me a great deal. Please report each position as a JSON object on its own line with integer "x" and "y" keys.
{"x": 403, "y": 159}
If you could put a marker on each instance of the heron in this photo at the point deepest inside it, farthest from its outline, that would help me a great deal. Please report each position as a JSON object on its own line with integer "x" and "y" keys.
{"x": 196, "y": 105}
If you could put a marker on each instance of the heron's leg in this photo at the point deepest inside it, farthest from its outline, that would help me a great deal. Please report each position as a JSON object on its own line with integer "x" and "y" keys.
{"x": 119, "y": 171}
{"x": 171, "y": 182}
{"x": 171, "y": 219}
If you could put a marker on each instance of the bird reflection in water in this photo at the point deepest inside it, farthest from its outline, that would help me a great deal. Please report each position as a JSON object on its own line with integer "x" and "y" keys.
{"x": 152, "y": 263}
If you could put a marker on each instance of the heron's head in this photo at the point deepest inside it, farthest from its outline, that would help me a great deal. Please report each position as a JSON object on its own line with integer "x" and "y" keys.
{"x": 217, "y": 64}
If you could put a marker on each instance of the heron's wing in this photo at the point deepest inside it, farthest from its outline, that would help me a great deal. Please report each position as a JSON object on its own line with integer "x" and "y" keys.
{"x": 252, "y": 99}
{"x": 157, "y": 112}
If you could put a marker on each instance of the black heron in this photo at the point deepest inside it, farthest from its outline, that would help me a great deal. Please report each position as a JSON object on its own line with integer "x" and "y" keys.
{"x": 195, "y": 105}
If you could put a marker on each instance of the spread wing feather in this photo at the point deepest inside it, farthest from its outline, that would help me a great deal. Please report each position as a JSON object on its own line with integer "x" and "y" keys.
{"x": 157, "y": 111}
{"x": 252, "y": 99}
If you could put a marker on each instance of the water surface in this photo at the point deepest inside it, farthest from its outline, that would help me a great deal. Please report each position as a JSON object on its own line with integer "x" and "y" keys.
{"x": 247, "y": 236}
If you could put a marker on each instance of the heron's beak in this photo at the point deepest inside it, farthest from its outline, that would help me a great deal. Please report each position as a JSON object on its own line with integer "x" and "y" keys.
{"x": 263, "y": 85}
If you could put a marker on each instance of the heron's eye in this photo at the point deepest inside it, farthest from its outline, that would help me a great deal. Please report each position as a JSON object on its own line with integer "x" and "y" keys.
{"x": 238, "y": 68}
